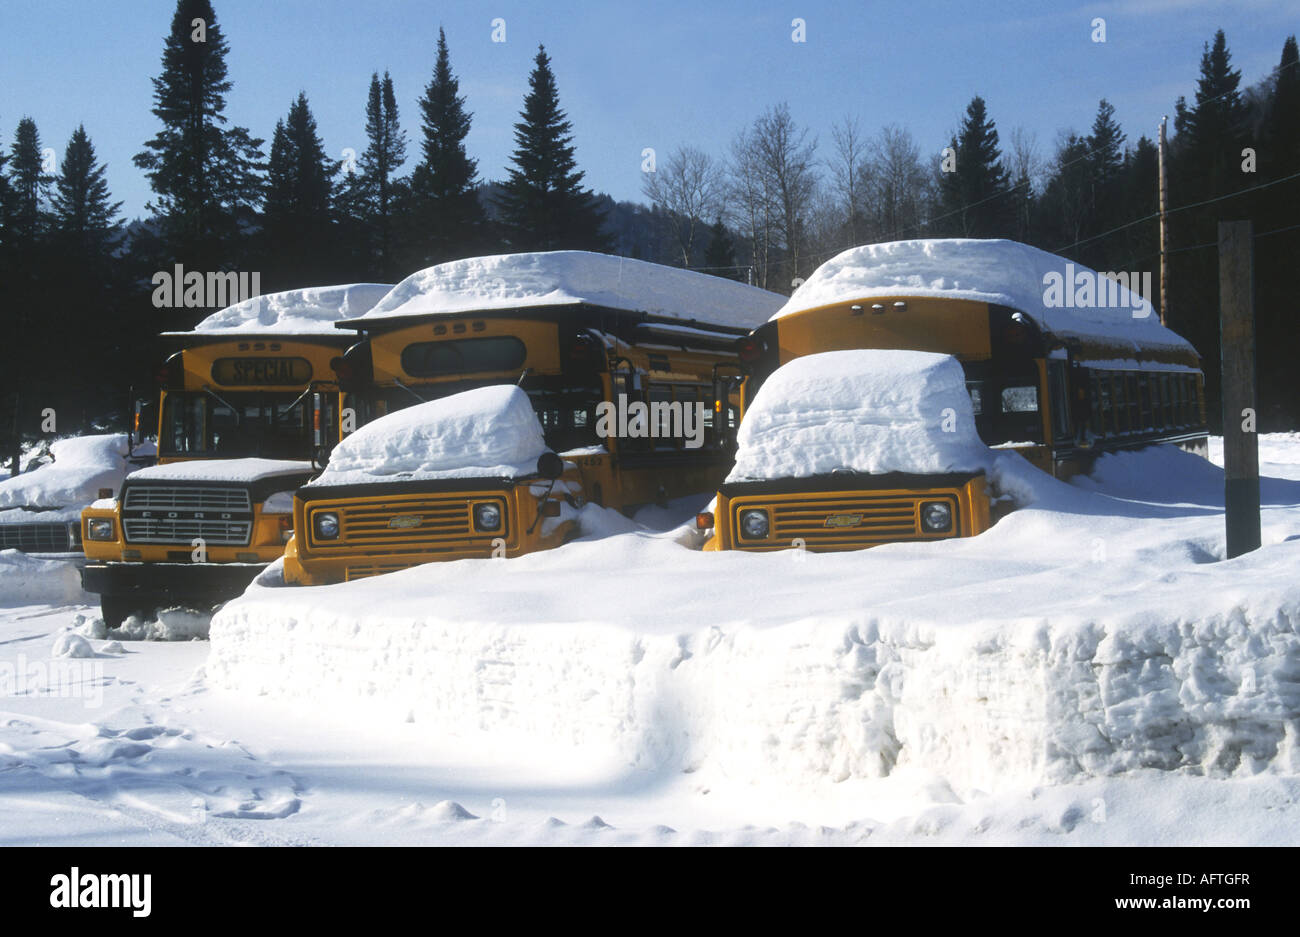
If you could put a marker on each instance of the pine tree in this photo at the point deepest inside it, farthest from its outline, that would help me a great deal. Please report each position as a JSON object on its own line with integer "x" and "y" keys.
{"x": 84, "y": 219}
{"x": 91, "y": 280}
{"x": 974, "y": 193}
{"x": 720, "y": 255}
{"x": 205, "y": 175}
{"x": 369, "y": 200}
{"x": 297, "y": 214}
{"x": 1210, "y": 133}
{"x": 29, "y": 184}
{"x": 1284, "y": 111}
{"x": 446, "y": 218}
{"x": 1105, "y": 163}
{"x": 543, "y": 202}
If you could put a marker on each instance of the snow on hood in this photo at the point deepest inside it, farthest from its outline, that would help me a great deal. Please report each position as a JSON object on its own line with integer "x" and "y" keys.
{"x": 82, "y": 465}
{"x": 861, "y": 411}
{"x": 222, "y": 470}
{"x": 992, "y": 271}
{"x": 488, "y": 432}
{"x": 508, "y": 281}
{"x": 294, "y": 312}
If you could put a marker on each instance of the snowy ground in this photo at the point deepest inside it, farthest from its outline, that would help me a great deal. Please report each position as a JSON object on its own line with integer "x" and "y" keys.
{"x": 1089, "y": 671}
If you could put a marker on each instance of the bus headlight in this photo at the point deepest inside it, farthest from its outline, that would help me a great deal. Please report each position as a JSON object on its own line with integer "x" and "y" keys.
{"x": 754, "y": 524}
{"x": 487, "y": 516}
{"x": 326, "y": 525}
{"x": 99, "y": 528}
{"x": 936, "y": 517}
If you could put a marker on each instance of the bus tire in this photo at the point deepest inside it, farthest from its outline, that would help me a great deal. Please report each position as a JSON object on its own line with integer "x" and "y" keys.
{"x": 115, "y": 609}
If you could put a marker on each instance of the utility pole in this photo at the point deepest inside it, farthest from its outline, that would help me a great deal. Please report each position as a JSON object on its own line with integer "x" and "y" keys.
{"x": 1164, "y": 226}
{"x": 1240, "y": 409}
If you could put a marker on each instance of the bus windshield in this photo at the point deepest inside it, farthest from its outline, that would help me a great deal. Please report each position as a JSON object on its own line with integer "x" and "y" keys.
{"x": 242, "y": 424}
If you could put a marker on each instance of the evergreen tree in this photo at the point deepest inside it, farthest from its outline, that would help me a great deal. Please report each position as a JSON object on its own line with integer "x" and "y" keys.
{"x": 1284, "y": 112}
{"x": 544, "y": 205}
{"x": 1210, "y": 134}
{"x": 84, "y": 219}
{"x": 974, "y": 193}
{"x": 205, "y": 176}
{"x": 447, "y": 220}
{"x": 1105, "y": 166}
{"x": 297, "y": 214}
{"x": 368, "y": 203}
{"x": 91, "y": 282}
{"x": 720, "y": 255}
{"x": 29, "y": 185}
{"x": 26, "y": 390}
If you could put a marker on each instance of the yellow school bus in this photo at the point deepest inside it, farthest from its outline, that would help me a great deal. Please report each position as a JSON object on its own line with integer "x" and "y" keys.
{"x": 248, "y": 406}
{"x": 627, "y": 365}
{"x": 1060, "y": 384}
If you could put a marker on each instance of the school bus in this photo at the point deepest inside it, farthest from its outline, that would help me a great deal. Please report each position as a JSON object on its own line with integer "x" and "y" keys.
{"x": 627, "y": 365}
{"x": 248, "y": 406}
{"x": 1058, "y": 384}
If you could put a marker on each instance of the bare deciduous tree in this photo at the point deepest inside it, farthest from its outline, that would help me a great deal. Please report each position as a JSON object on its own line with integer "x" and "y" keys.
{"x": 749, "y": 204}
{"x": 688, "y": 187}
{"x": 849, "y": 169}
{"x": 900, "y": 184}
{"x": 786, "y": 159}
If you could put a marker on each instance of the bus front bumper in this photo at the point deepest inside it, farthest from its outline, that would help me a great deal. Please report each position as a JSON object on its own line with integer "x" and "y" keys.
{"x": 213, "y": 582}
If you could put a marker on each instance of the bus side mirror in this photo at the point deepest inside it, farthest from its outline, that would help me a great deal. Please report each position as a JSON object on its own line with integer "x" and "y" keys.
{"x": 550, "y": 466}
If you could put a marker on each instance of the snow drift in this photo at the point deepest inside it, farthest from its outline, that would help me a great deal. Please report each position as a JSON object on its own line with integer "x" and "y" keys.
{"x": 511, "y": 281}
{"x": 35, "y": 580}
{"x": 1084, "y": 635}
{"x": 860, "y": 411}
{"x": 488, "y": 432}
{"x": 997, "y": 271}
{"x": 81, "y": 466}
{"x": 293, "y": 312}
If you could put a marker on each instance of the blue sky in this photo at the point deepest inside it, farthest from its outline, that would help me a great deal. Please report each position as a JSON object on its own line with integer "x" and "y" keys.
{"x": 632, "y": 74}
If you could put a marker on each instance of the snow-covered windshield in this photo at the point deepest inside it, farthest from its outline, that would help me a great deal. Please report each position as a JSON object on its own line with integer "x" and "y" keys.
{"x": 485, "y": 432}
{"x": 860, "y": 411}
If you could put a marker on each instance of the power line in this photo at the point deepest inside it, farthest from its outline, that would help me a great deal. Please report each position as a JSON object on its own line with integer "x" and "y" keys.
{"x": 1172, "y": 211}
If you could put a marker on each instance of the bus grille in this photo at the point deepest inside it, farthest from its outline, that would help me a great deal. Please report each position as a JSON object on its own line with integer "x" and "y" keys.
{"x": 883, "y": 519}
{"x": 424, "y": 525}
{"x": 41, "y": 538}
{"x": 185, "y": 530}
{"x": 186, "y": 498}
{"x": 220, "y": 516}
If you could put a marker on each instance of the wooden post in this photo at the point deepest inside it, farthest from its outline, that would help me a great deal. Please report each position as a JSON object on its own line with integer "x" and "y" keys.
{"x": 1237, "y": 349}
{"x": 1164, "y": 227}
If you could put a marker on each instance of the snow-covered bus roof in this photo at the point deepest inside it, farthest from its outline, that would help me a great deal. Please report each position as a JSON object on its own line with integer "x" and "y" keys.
{"x": 310, "y": 311}
{"x": 563, "y": 278}
{"x": 1002, "y": 272}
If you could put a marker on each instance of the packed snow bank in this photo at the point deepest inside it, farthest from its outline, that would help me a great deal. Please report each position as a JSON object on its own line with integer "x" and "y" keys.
{"x": 997, "y": 271}
{"x": 860, "y": 411}
{"x": 31, "y": 580}
{"x": 558, "y": 278}
{"x": 293, "y": 312}
{"x": 1083, "y": 635}
{"x": 488, "y": 432}
{"x": 81, "y": 466}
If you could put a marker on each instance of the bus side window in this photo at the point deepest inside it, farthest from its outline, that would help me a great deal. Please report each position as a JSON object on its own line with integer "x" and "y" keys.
{"x": 1020, "y": 419}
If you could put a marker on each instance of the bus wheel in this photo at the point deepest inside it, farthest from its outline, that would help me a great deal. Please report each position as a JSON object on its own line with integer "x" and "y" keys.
{"x": 115, "y": 609}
